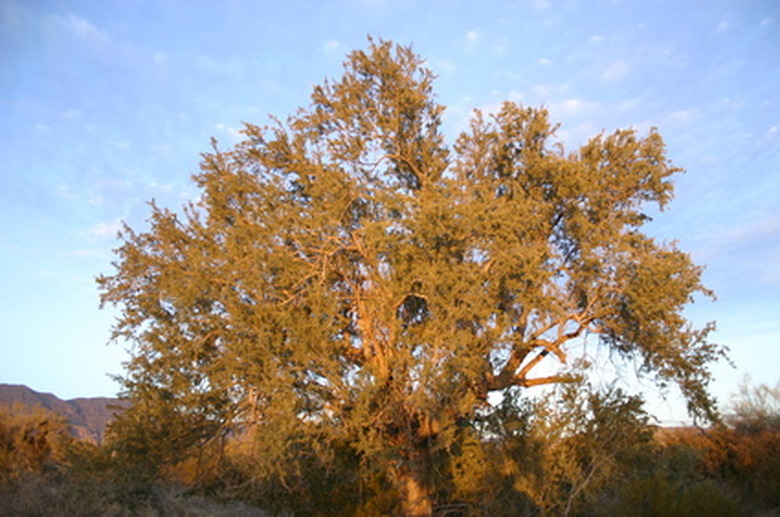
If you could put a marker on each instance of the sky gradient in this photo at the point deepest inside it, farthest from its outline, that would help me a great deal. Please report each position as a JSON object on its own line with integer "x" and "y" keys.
{"x": 107, "y": 105}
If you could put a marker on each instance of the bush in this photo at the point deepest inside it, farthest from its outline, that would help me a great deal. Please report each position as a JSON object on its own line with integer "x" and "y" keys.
{"x": 32, "y": 440}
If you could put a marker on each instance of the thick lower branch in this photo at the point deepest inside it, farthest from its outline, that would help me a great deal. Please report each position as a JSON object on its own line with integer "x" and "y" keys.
{"x": 552, "y": 379}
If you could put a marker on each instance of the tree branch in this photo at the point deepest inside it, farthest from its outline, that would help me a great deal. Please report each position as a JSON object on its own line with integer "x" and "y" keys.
{"x": 552, "y": 379}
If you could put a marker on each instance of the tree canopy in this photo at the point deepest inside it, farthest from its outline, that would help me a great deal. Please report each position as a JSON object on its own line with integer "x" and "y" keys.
{"x": 349, "y": 281}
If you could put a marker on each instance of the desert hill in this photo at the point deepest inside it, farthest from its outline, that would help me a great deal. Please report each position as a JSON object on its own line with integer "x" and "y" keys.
{"x": 88, "y": 417}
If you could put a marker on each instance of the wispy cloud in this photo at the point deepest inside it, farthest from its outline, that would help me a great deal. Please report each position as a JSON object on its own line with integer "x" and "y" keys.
{"x": 80, "y": 28}
{"x": 163, "y": 149}
{"x": 331, "y": 46}
{"x": 743, "y": 253}
{"x": 572, "y": 106}
{"x": 445, "y": 66}
{"x": 233, "y": 134}
{"x": 9, "y": 13}
{"x": 72, "y": 114}
{"x": 472, "y": 38}
{"x": 105, "y": 229}
{"x": 765, "y": 229}
{"x": 499, "y": 45}
{"x": 110, "y": 193}
{"x": 373, "y": 4}
{"x": 616, "y": 71}
{"x": 541, "y": 5}
{"x": 64, "y": 192}
{"x": 681, "y": 117}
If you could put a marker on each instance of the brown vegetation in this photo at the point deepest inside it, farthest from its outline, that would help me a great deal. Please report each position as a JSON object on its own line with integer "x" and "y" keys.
{"x": 577, "y": 452}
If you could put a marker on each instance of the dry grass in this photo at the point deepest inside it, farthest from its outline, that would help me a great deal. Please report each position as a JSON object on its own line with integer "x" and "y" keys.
{"x": 36, "y": 495}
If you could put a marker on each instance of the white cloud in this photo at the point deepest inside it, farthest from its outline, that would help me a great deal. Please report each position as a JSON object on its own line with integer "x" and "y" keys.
{"x": 572, "y": 106}
{"x": 573, "y": 136}
{"x": 72, "y": 114}
{"x": 80, "y": 28}
{"x": 515, "y": 95}
{"x": 331, "y": 46}
{"x": 163, "y": 149}
{"x": 762, "y": 229}
{"x": 445, "y": 66}
{"x": 106, "y": 229}
{"x": 542, "y": 91}
{"x": 64, "y": 192}
{"x": 233, "y": 134}
{"x": 745, "y": 253}
{"x": 681, "y": 117}
{"x": 730, "y": 103}
{"x": 629, "y": 104}
{"x": 230, "y": 66}
{"x": 541, "y": 5}
{"x": 547, "y": 93}
{"x": 88, "y": 253}
{"x": 472, "y": 37}
{"x": 373, "y": 4}
{"x": 83, "y": 28}
{"x": 616, "y": 71}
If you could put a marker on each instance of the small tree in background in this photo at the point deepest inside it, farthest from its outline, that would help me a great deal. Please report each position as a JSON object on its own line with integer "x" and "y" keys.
{"x": 755, "y": 408}
{"x": 349, "y": 282}
{"x": 747, "y": 454}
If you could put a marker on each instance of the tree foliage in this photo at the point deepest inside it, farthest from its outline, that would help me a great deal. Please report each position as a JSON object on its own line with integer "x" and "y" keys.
{"x": 556, "y": 455}
{"x": 349, "y": 281}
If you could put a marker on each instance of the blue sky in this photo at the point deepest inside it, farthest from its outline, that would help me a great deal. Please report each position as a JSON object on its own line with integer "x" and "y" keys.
{"x": 106, "y": 105}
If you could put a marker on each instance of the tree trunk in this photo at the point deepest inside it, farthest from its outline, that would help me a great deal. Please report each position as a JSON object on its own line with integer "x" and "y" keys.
{"x": 415, "y": 493}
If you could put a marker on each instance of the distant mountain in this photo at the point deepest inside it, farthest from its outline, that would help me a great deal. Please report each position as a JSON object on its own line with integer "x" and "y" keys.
{"x": 88, "y": 417}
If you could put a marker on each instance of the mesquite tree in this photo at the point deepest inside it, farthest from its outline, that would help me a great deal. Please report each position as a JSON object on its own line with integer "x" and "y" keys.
{"x": 348, "y": 277}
